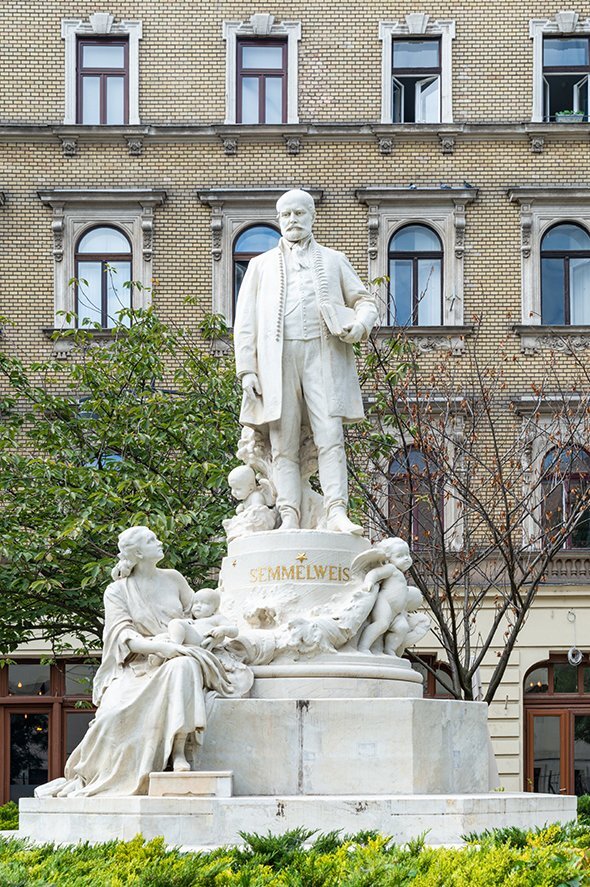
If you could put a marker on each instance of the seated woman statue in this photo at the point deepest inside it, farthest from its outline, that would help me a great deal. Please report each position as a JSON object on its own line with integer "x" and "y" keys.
{"x": 146, "y": 715}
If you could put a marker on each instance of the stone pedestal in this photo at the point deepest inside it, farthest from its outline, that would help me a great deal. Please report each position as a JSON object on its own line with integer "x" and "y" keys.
{"x": 199, "y": 784}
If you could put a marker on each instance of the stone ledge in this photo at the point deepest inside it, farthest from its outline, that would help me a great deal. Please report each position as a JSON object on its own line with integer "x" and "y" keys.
{"x": 429, "y": 338}
{"x": 534, "y": 338}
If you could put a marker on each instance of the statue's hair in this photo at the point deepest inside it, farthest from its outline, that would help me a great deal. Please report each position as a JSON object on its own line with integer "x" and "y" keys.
{"x": 129, "y": 542}
{"x": 240, "y": 472}
{"x": 304, "y": 196}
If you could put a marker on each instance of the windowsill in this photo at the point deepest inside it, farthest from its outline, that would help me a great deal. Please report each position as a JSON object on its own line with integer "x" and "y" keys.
{"x": 536, "y": 337}
{"x": 64, "y": 339}
{"x": 430, "y": 338}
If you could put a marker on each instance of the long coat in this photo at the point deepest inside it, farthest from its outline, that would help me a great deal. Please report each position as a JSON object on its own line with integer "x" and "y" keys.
{"x": 258, "y": 332}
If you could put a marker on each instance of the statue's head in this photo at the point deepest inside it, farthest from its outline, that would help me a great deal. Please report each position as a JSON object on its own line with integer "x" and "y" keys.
{"x": 296, "y": 214}
{"x": 398, "y": 552}
{"x": 242, "y": 481}
{"x": 205, "y": 603}
{"x": 136, "y": 544}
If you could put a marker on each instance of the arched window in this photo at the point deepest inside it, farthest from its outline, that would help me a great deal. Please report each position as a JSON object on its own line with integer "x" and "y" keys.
{"x": 415, "y": 277}
{"x": 565, "y": 275}
{"x": 249, "y": 243}
{"x": 103, "y": 264}
{"x": 557, "y": 725}
{"x": 566, "y": 481}
{"x": 415, "y": 499}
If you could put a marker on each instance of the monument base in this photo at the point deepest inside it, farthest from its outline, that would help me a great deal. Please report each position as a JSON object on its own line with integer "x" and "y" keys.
{"x": 197, "y": 823}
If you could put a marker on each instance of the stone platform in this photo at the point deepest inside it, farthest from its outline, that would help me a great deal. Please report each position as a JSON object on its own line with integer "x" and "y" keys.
{"x": 212, "y": 822}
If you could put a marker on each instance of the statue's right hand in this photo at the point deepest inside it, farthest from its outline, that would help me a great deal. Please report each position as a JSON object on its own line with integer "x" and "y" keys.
{"x": 168, "y": 650}
{"x": 251, "y": 386}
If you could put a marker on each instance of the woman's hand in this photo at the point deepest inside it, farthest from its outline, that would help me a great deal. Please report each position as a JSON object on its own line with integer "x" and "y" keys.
{"x": 168, "y": 649}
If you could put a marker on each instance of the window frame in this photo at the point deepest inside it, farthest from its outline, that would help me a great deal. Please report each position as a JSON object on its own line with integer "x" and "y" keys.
{"x": 261, "y": 26}
{"x": 417, "y": 25}
{"x": 100, "y": 26}
{"x": 103, "y": 74}
{"x": 415, "y": 258}
{"x": 564, "y": 481}
{"x": 105, "y": 261}
{"x": 565, "y": 255}
{"x": 245, "y": 257}
{"x": 262, "y": 75}
{"x": 423, "y": 73}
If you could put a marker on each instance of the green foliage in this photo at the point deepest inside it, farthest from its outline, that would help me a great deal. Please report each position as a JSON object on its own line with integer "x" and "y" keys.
{"x": 9, "y": 816}
{"x": 584, "y": 809}
{"x": 543, "y": 860}
{"x": 140, "y": 430}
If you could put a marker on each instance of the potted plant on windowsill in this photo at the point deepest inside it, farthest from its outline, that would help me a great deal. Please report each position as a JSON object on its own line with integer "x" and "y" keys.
{"x": 569, "y": 117}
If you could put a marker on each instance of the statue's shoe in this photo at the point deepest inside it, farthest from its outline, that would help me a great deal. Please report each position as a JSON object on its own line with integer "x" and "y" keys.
{"x": 339, "y": 522}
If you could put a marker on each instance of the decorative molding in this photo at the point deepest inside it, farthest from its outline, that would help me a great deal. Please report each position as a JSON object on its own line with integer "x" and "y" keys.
{"x": 233, "y": 210}
{"x": 385, "y": 146}
{"x": 417, "y": 23}
{"x": 562, "y": 23}
{"x": 135, "y": 146}
{"x": 540, "y": 208}
{"x": 100, "y": 23}
{"x": 75, "y": 210}
{"x": 261, "y": 25}
{"x": 230, "y": 146}
{"x": 443, "y": 209}
{"x": 447, "y": 144}
{"x": 427, "y": 339}
{"x": 69, "y": 146}
{"x": 537, "y": 144}
{"x": 293, "y": 144}
{"x": 554, "y": 338}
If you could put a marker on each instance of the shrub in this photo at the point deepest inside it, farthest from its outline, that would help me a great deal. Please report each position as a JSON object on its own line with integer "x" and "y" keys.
{"x": 9, "y": 816}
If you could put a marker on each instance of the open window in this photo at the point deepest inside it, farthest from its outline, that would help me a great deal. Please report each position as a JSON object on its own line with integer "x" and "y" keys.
{"x": 566, "y": 65}
{"x": 416, "y": 73}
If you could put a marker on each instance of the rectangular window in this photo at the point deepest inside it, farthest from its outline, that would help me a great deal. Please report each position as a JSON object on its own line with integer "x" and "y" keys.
{"x": 262, "y": 81}
{"x": 103, "y": 75}
{"x": 566, "y": 65}
{"x": 416, "y": 81}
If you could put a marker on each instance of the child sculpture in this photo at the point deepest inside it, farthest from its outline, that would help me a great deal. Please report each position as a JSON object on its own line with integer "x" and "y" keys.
{"x": 254, "y": 512}
{"x": 388, "y": 620}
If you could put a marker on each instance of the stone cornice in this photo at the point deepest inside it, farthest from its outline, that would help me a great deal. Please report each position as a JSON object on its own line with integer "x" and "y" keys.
{"x": 55, "y": 197}
{"x": 378, "y": 195}
{"x": 329, "y": 131}
{"x": 548, "y": 194}
{"x": 249, "y": 196}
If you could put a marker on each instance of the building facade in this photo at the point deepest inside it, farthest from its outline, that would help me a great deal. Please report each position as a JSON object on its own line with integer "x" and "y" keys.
{"x": 447, "y": 147}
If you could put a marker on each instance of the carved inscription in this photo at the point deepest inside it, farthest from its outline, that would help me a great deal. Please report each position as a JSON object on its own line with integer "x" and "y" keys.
{"x": 300, "y": 573}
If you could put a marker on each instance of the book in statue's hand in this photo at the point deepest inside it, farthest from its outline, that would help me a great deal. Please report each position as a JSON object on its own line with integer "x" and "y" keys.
{"x": 337, "y": 317}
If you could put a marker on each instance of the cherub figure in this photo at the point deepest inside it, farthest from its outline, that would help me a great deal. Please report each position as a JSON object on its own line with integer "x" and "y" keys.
{"x": 388, "y": 561}
{"x": 409, "y": 627}
{"x": 254, "y": 511}
{"x": 206, "y": 628}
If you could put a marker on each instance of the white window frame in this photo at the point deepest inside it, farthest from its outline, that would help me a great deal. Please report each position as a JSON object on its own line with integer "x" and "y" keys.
{"x": 100, "y": 23}
{"x": 541, "y": 209}
{"x": 392, "y": 208}
{"x": 562, "y": 23}
{"x": 77, "y": 211}
{"x": 418, "y": 24}
{"x": 261, "y": 25}
{"x": 233, "y": 211}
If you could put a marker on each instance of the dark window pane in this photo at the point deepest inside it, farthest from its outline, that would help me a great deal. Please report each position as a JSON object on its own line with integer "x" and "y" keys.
{"x": 581, "y": 754}
{"x": 118, "y": 296}
{"x": 28, "y": 679}
{"x": 103, "y": 55}
{"x": 587, "y": 680}
{"x": 546, "y": 754}
{"x": 561, "y": 52}
{"x": 79, "y": 677}
{"x": 565, "y": 238}
{"x": 552, "y": 291}
{"x": 415, "y": 239}
{"x": 262, "y": 57}
{"x": 91, "y": 100}
{"x": 29, "y": 743}
{"x": 416, "y": 53}
{"x": 256, "y": 240}
{"x": 537, "y": 681}
{"x": 400, "y": 288}
{"x": 274, "y": 100}
{"x": 250, "y": 100}
{"x": 77, "y": 723}
{"x": 115, "y": 101}
{"x": 443, "y": 682}
{"x": 104, "y": 241}
{"x": 579, "y": 500}
{"x": 565, "y": 678}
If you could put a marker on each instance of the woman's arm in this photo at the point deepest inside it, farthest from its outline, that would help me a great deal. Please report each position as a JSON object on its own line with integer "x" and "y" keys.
{"x": 146, "y": 646}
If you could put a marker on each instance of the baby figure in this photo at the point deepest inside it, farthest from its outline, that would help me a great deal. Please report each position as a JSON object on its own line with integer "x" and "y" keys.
{"x": 389, "y": 613}
{"x": 254, "y": 512}
{"x": 242, "y": 482}
{"x": 206, "y": 627}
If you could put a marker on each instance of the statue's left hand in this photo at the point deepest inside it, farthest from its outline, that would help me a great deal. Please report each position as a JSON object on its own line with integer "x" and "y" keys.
{"x": 352, "y": 332}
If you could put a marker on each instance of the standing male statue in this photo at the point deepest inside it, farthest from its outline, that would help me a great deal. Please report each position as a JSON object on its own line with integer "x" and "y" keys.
{"x": 300, "y": 309}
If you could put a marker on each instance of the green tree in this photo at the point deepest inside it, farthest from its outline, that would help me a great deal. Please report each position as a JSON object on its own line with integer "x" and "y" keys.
{"x": 139, "y": 430}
